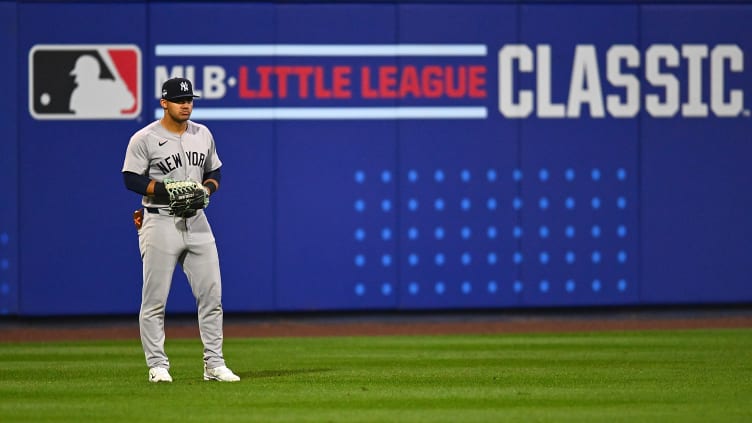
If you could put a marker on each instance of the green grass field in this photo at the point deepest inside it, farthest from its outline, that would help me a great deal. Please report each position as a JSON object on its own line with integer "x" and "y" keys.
{"x": 652, "y": 376}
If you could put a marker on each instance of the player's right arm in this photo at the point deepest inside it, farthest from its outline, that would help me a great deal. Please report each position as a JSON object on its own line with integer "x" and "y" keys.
{"x": 144, "y": 185}
{"x": 135, "y": 169}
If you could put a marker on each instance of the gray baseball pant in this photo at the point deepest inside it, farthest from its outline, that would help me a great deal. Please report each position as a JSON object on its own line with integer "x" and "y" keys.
{"x": 164, "y": 242}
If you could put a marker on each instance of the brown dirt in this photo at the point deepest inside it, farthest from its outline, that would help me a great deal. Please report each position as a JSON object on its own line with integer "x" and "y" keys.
{"x": 41, "y": 330}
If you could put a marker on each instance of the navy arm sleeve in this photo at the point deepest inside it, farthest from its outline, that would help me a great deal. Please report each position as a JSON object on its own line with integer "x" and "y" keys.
{"x": 136, "y": 183}
{"x": 140, "y": 184}
{"x": 211, "y": 179}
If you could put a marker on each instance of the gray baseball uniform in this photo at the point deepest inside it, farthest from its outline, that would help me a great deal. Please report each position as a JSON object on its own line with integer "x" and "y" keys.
{"x": 166, "y": 240}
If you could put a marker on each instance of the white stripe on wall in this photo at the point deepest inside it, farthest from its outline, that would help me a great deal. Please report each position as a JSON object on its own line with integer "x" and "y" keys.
{"x": 334, "y": 113}
{"x": 320, "y": 50}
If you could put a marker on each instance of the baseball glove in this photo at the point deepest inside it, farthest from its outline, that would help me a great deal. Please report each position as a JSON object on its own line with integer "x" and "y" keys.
{"x": 186, "y": 197}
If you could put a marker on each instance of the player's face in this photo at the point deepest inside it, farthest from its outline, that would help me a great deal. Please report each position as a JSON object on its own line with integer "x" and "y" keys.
{"x": 179, "y": 110}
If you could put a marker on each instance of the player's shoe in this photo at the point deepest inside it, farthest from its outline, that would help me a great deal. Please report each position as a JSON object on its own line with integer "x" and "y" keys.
{"x": 159, "y": 374}
{"x": 221, "y": 373}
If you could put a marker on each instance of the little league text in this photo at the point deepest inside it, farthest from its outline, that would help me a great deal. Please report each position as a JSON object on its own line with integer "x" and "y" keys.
{"x": 664, "y": 80}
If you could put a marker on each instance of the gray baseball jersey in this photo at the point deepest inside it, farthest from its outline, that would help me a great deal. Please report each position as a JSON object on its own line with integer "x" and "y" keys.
{"x": 159, "y": 154}
{"x": 165, "y": 240}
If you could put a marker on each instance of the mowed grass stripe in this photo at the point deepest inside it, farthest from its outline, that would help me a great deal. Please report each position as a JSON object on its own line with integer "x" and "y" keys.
{"x": 650, "y": 376}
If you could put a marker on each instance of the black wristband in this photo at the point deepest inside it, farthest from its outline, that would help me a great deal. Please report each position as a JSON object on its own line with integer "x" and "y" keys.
{"x": 160, "y": 190}
{"x": 211, "y": 186}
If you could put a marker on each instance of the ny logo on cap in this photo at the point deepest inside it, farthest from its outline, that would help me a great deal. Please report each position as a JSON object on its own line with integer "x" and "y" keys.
{"x": 184, "y": 86}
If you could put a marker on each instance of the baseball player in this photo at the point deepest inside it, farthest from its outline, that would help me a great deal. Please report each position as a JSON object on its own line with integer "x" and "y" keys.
{"x": 173, "y": 164}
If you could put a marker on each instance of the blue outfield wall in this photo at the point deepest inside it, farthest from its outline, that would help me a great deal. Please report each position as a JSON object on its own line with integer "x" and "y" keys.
{"x": 391, "y": 156}
{"x": 9, "y": 164}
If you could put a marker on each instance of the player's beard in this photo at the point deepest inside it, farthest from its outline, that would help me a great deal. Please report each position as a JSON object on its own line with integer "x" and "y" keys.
{"x": 179, "y": 116}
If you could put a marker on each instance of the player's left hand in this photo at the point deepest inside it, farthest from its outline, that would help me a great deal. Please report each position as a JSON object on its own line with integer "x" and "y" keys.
{"x": 186, "y": 197}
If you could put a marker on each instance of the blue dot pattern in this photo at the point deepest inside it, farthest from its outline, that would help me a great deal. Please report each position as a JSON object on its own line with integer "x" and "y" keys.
{"x": 7, "y": 300}
{"x": 583, "y": 221}
{"x": 489, "y": 236}
{"x": 375, "y": 236}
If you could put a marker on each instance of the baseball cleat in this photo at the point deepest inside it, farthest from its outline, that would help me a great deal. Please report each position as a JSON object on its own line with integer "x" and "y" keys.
{"x": 221, "y": 373}
{"x": 159, "y": 374}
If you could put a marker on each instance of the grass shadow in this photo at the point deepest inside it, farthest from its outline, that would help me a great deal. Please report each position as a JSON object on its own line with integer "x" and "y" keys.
{"x": 257, "y": 374}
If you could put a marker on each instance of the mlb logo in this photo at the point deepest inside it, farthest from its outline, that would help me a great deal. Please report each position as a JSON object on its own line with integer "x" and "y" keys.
{"x": 92, "y": 81}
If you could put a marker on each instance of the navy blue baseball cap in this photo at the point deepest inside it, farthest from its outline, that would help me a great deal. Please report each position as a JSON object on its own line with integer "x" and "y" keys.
{"x": 176, "y": 88}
